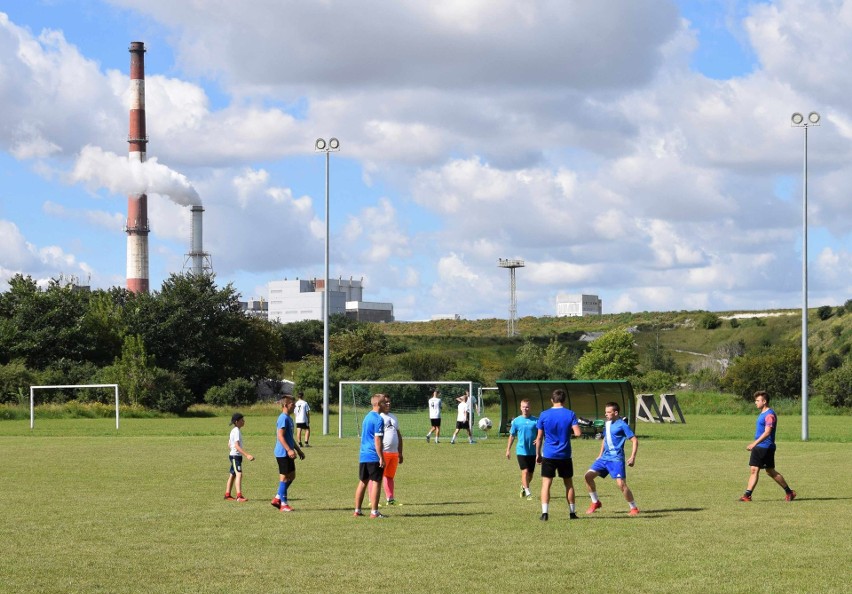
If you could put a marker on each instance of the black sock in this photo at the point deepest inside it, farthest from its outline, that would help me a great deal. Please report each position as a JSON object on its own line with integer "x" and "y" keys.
{"x": 748, "y": 492}
{"x": 787, "y": 489}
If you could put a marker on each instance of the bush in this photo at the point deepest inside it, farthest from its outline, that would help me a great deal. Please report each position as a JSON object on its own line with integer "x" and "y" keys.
{"x": 709, "y": 321}
{"x": 234, "y": 392}
{"x": 706, "y": 379}
{"x": 824, "y": 312}
{"x": 835, "y": 387}
{"x": 15, "y": 382}
{"x": 655, "y": 381}
{"x": 777, "y": 370}
{"x": 735, "y": 323}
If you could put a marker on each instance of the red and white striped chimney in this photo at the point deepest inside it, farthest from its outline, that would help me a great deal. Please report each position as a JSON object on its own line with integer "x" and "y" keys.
{"x": 137, "y": 204}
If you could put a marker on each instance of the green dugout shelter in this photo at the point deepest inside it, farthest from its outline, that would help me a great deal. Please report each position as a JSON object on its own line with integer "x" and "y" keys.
{"x": 587, "y": 398}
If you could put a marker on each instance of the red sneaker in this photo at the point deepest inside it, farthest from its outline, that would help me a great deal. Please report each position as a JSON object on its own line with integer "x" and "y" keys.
{"x": 228, "y": 497}
{"x": 285, "y": 508}
{"x": 594, "y": 507}
{"x": 276, "y": 503}
{"x": 357, "y": 514}
{"x": 748, "y": 498}
{"x": 790, "y": 496}
{"x": 240, "y": 498}
{"x": 634, "y": 511}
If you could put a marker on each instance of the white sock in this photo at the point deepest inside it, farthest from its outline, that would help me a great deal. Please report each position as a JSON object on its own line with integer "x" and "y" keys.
{"x": 594, "y": 496}
{"x": 632, "y": 505}
{"x": 357, "y": 510}
{"x": 571, "y": 508}
{"x": 544, "y": 507}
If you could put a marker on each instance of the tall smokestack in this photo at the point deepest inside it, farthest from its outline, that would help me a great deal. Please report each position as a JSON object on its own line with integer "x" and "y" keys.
{"x": 137, "y": 204}
{"x": 196, "y": 250}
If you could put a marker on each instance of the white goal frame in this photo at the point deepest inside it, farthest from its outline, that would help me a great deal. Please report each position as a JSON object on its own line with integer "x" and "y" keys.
{"x": 34, "y": 388}
{"x": 342, "y": 384}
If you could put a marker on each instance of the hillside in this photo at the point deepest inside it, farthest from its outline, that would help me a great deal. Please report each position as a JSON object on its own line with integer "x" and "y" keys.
{"x": 681, "y": 333}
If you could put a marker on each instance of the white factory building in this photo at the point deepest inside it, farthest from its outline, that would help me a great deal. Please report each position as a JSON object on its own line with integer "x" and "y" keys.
{"x": 297, "y": 300}
{"x": 569, "y": 304}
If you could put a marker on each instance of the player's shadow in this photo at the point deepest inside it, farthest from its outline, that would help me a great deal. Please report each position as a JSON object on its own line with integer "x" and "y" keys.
{"x": 439, "y": 514}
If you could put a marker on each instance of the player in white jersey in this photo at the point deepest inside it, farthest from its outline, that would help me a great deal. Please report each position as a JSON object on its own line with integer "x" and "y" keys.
{"x": 392, "y": 448}
{"x": 303, "y": 420}
{"x": 463, "y": 418}
{"x": 435, "y": 406}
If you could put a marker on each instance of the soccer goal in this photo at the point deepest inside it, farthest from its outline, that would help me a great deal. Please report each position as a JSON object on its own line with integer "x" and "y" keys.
{"x": 410, "y": 403}
{"x": 34, "y": 388}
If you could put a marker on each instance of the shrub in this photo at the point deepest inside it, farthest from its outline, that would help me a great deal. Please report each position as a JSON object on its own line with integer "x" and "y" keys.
{"x": 654, "y": 381}
{"x": 709, "y": 321}
{"x": 234, "y": 392}
{"x": 735, "y": 323}
{"x": 15, "y": 381}
{"x": 836, "y": 386}
{"x": 777, "y": 370}
{"x": 706, "y": 379}
{"x": 831, "y": 361}
{"x": 824, "y": 312}
{"x": 836, "y": 331}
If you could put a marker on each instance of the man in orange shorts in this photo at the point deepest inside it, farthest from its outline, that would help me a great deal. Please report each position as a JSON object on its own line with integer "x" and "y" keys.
{"x": 392, "y": 449}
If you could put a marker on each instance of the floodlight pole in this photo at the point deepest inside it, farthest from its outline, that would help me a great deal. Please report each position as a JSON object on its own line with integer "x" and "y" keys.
{"x": 326, "y": 147}
{"x": 798, "y": 120}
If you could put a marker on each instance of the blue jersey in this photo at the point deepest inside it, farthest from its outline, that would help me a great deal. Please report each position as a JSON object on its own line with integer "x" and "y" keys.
{"x": 286, "y": 423}
{"x": 615, "y": 434}
{"x": 524, "y": 428}
{"x": 372, "y": 426}
{"x": 766, "y": 419}
{"x": 557, "y": 424}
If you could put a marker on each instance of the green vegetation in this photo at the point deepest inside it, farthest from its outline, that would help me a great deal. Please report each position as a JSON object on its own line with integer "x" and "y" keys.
{"x": 142, "y": 509}
{"x": 189, "y": 343}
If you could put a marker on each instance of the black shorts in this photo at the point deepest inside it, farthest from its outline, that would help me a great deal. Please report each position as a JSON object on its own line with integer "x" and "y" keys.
{"x": 527, "y": 463}
{"x": 370, "y": 471}
{"x": 303, "y": 425}
{"x": 286, "y": 465}
{"x": 462, "y": 425}
{"x": 551, "y": 466}
{"x": 762, "y": 457}
{"x": 436, "y": 422}
{"x": 236, "y": 464}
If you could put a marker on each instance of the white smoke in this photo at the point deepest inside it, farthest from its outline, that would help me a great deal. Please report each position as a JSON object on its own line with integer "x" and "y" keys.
{"x": 121, "y": 175}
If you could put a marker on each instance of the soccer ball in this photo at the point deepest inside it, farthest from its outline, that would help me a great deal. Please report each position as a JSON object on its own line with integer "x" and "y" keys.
{"x": 485, "y": 423}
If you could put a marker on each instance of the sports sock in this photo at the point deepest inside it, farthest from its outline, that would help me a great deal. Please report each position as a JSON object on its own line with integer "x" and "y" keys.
{"x": 526, "y": 491}
{"x": 545, "y": 507}
{"x": 282, "y": 490}
{"x": 788, "y": 490}
{"x": 632, "y": 504}
{"x": 748, "y": 492}
{"x": 594, "y": 496}
{"x": 571, "y": 508}
{"x": 357, "y": 510}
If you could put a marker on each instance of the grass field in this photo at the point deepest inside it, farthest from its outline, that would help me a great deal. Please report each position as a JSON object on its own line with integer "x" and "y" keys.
{"x": 89, "y": 509}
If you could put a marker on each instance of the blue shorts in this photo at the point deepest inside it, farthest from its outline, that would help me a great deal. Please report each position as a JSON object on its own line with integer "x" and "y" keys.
{"x": 236, "y": 464}
{"x": 609, "y": 467}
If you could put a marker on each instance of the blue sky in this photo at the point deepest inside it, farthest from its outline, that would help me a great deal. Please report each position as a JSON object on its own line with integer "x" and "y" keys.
{"x": 638, "y": 151}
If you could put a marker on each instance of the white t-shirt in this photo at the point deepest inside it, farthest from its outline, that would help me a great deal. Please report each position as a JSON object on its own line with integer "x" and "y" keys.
{"x": 463, "y": 408}
{"x": 390, "y": 442}
{"x": 233, "y": 439}
{"x": 435, "y": 408}
{"x": 302, "y": 410}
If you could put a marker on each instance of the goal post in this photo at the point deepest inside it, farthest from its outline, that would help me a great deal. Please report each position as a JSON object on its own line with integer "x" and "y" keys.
{"x": 409, "y": 402}
{"x": 75, "y": 386}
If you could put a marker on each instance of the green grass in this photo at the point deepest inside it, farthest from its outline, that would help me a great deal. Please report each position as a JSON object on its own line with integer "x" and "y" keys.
{"x": 89, "y": 509}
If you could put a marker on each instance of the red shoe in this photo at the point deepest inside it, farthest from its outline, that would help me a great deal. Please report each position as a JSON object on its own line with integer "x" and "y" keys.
{"x": 378, "y": 516}
{"x": 790, "y": 496}
{"x": 748, "y": 498}
{"x": 276, "y": 503}
{"x": 240, "y": 498}
{"x": 594, "y": 507}
{"x": 357, "y": 514}
{"x": 634, "y": 511}
{"x": 285, "y": 508}
{"x": 228, "y": 497}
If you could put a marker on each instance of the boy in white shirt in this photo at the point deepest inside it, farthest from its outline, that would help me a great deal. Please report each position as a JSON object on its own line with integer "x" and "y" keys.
{"x": 235, "y": 455}
{"x": 303, "y": 420}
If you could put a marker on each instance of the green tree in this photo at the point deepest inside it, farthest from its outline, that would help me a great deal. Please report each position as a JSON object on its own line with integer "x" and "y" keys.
{"x": 558, "y": 360}
{"x": 824, "y": 312}
{"x": 836, "y": 386}
{"x": 778, "y": 370}
{"x": 612, "y": 356}
{"x": 528, "y": 363}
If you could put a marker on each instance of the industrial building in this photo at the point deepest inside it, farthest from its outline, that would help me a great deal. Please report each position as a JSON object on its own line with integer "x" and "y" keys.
{"x": 574, "y": 305}
{"x": 297, "y": 300}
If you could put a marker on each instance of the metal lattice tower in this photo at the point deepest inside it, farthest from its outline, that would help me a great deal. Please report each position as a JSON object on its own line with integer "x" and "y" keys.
{"x": 513, "y": 303}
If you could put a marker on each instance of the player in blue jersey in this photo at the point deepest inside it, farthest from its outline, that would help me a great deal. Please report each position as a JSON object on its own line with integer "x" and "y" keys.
{"x": 286, "y": 450}
{"x": 371, "y": 458}
{"x": 553, "y": 450}
{"x": 763, "y": 449}
{"x": 611, "y": 458}
{"x": 523, "y": 427}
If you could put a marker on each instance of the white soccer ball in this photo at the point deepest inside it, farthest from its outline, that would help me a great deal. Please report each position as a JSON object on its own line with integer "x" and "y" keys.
{"x": 485, "y": 423}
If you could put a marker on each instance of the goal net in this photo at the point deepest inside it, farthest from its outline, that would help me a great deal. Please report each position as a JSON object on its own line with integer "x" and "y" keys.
{"x": 410, "y": 403}
{"x": 74, "y": 386}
